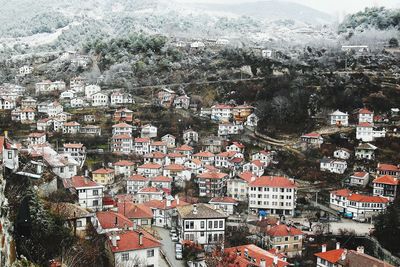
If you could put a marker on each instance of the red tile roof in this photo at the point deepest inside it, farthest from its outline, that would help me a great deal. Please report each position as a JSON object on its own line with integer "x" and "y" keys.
{"x": 142, "y": 140}
{"x": 129, "y": 240}
{"x": 247, "y": 176}
{"x": 331, "y": 256}
{"x": 365, "y": 111}
{"x": 222, "y": 106}
{"x": 238, "y": 144}
{"x": 158, "y": 143}
{"x": 155, "y": 155}
{"x": 388, "y": 167}
{"x": 284, "y": 230}
{"x": 364, "y": 124}
{"x": 312, "y": 135}
{"x": 2, "y": 141}
{"x": 72, "y": 123}
{"x": 184, "y": 148}
{"x": 212, "y": 175}
{"x": 161, "y": 178}
{"x": 175, "y": 167}
{"x": 342, "y": 192}
{"x": 255, "y": 253}
{"x": 150, "y": 166}
{"x": 122, "y": 125}
{"x": 162, "y": 204}
{"x": 103, "y": 171}
{"x": 205, "y": 154}
{"x": 134, "y": 211}
{"x": 70, "y": 145}
{"x": 110, "y": 220}
{"x": 124, "y": 163}
{"x": 150, "y": 190}
{"x": 387, "y": 179}
{"x": 227, "y": 154}
{"x": 80, "y": 181}
{"x": 273, "y": 181}
{"x": 122, "y": 136}
{"x": 137, "y": 177}
{"x": 360, "y": 174}
{"x": 365, "y": 198}
{"x": 36, "y": 135}
{"x": 223, "y": 200}
{"x": 258, "y": 163}
{"x": 175, "y": 155}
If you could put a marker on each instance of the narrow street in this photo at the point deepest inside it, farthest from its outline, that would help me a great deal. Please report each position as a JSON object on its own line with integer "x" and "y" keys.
{"x": 168, "y": 247}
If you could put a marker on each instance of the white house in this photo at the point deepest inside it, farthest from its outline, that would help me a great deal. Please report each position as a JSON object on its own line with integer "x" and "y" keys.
{"x": 158, "y": 146}
{"x": 313, "y": 139}
{"x": 149, "y": 193}
{"x": 236, "y": 147}
{"x": 342, "y": 153}
{"x": 136, "y": 182}
{"x": 134, "y": 248}
{"x": 25, "y": 70}
{"x": 37, "y": 138}
{"x": 122, "y": 129}
{"x": 68, "y": 94}
{"x": 238, "y": 186}
{"x": 141, "y": 146}
{"x": 190, "y": 136}
{"x": 339, "y": 118}
{"x": 365, "y": 151}
{"x": 252, "y": 120}
{"x": 360, "y": 179}
{"x": 225, "y": 129}
{"x": 333, "y": 165}
{"x": 221, "y": 112}
{"x": 76, "y": 151}
{"x": 273, "y": 194}
{"x": 121, "y": 143}
{"x": 99, "y": 100}
{"x": 363, "y": 208}
{"x": 91, "y": 90}
{"x": 169, "y": 140}
{"x": 164, "y": 211}
{"x": 386, "y": 186}
{"x": 338, "y": 199}
{"x": 78, "y": 102}
{"x": 124, "y": 167}
{"x": 72, "y": 127}
{"x": 256, "y": 167}
{"x": 202, "y": 224}
{"x": 264, "y": 156}
{"x": 365, "y": 116}
{"x": 7, "y": 103}
{"x": 364, "y": 132}
{"x": 53, "y": 109}
{"x": 118, "y": 98}
{"x": 182, "y": 102}
{"x": 150, "y": 169}
{"x": 148, "y": 131}
{"x": 26, "y": 115}
{"x": 90, "y": 194}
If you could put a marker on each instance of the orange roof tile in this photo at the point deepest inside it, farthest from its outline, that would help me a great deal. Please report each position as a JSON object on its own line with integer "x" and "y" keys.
{"x": 365, "y": 111}
{"x": 342, "y": 192}
{"x": 103, "y": 171}
{"x": 122, "y": 125}
{"x": 273, "y": 181}
{"x": 284, "y": 230}
{"x": 124, "y": 163}
{"x": 184, "y": 148}
{"x": 80, "y": 181}
{"x": 150, "y": 166}
{"x": 161, "y": 178}
{"x": 204, "y": 154}
{"x": 212, "y": 175}
{"x": 110, "y": 220}
{"x": 365, "y": 198}
{"x": 175, "y": 167}
{"x": 137, "y": 177}
{"x": 223, "y": 200}
{"x": 387, "y": 179}
{"x": 331, "y": 256}
{"x": 134, "y": 211}
{"x": 129, "y": 241}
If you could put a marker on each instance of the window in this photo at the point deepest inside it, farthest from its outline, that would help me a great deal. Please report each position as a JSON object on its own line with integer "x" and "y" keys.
{"x": 78, "y": 223}
{"x": 221, "y": 224}
{"x": 201, "y": 234}
{"x": 150, "y": 253}
{"x": 202, "y": 224}
{"x": 95, "y": 192}
{"x": 215, "y": 224}
{"x": 9, "y": 154}
{"x": 95, "y": 202}
{"x": 143, "y": 222}
{"x": 210, "y": 224}
{"x": 125, "y": 256}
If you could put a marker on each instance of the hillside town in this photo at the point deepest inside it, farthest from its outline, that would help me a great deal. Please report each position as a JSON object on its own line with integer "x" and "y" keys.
{"x": 155, "y": 194}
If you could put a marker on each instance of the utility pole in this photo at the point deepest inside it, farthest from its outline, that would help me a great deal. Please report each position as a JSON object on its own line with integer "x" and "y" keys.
{"x": 316, "y": 199}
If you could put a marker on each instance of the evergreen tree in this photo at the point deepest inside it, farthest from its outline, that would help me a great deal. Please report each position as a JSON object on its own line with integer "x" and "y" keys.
{"x": 387, "y": 227}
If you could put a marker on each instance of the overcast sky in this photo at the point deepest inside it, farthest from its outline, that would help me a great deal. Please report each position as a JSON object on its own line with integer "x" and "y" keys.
{"x": 330, "y": 6}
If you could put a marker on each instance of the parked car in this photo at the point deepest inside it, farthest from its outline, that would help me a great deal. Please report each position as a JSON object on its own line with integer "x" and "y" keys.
{"x": 301, "y": 226}
{"x": 175, "y": 238}
{"x": 178, "y": 247}
{"x": 178, "y": 255}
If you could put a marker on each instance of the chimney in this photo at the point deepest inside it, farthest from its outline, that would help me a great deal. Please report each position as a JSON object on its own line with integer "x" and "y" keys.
{"x": 113, "y": 240}
{"x": 323, "y": 247}
{"x": 262, "y": 263}
{"x": 337, "y": 245}
{"x": 259, "y": 218}
{"x": 168, "y": 203}
{"x": 275, "y": 260}
{"x": 360, "y": 249}
{"x": 86, "y": 173}
{"x": 177, "y": 201}
{"x": 194, "y": 208}
{"x": 140, "y": 239}
{"x": 116, "y": 220}
{"x": 343, "y": 256}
